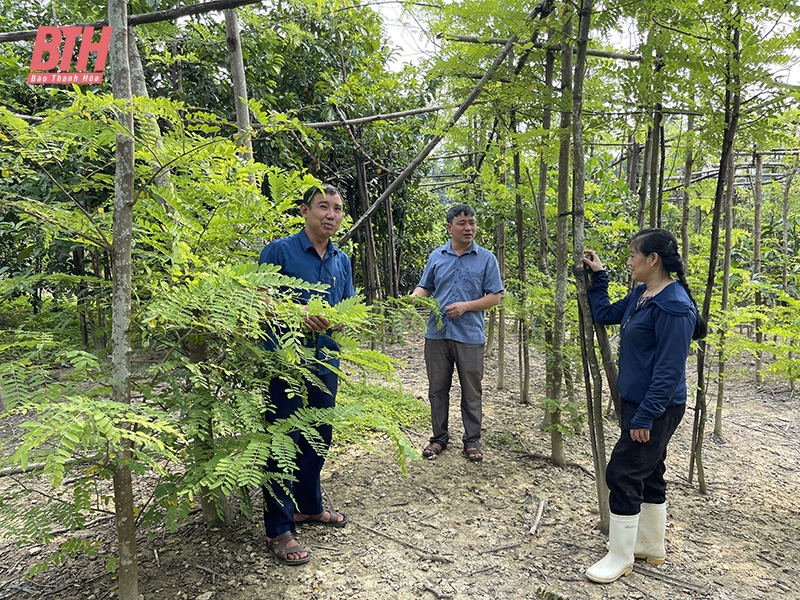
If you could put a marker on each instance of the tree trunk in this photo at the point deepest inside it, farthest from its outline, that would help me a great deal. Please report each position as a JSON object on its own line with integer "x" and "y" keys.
{"x": 500, "y": 241}
{"x": 540, "y": 197}
{"x": 687, "y": 182}
{"x": 661, "y": 167}
{"x": 643, "y": 184}
{"x": 176, "y": 72}
{"x": 147, "y": 120}
{"x": 726, "y": 276}
{"x": 393, "y": 283}
{"x": 634, "y": 156}
{"x": 500, "y": 237}
{"x": 82, "y": 299}
{"x": 758, "y": 300}
{"x": 239, "y": 83}
{"x": 490, "y": 333}
{"x": 785, "y": 245}
{"x": 555, "y": 365}
{"x": 122, "y": 223}
{"x": 594, "y": 395}
{"x": 519, "y": 218}
{"x": 541, "y": 193}
{"x": 610, "y": 369}
{"x": 100, "y": 304}
{"x": 785, "y": 230}
{"x": 369, "y": 253}
{"x": 732, "y": 104}
{"x": 655, "y": 155}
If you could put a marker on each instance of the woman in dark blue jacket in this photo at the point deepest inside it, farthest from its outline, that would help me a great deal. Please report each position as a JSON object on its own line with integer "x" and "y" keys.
{"x": 659, "y": 319}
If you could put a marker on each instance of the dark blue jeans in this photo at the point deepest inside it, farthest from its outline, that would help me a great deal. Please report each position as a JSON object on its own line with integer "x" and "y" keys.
{"x": 279, "y": 508}
{"x": 635, "y": 473}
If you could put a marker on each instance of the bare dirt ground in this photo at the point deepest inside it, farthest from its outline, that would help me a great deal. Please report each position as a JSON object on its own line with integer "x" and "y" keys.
{"x": 454, "y": 529}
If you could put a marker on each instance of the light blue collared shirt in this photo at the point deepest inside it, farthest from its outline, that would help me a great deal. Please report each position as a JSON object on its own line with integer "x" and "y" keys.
{"x": 453, "y": 278}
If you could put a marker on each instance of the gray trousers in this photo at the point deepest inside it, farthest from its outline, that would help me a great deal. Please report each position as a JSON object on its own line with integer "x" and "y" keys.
{"x": 440, "y": 358}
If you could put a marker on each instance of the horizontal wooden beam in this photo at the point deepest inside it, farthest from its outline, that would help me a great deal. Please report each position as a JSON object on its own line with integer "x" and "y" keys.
{"x": 384, "y": 117}
{"x": 454, "y": 155}
{"x": 474, "y": 39}
{"x": 439, "y": 185}
{"x": 141, "y": 19}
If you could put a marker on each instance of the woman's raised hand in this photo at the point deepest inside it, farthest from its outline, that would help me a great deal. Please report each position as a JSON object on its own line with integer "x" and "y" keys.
{"x": 591, "y": 260}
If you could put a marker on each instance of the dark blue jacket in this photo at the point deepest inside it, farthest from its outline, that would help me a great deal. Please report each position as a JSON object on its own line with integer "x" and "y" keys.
{"x": 654, "y": 344}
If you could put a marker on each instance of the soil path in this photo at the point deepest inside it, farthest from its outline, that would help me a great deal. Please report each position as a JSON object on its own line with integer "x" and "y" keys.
{"x": 454, "y": 529}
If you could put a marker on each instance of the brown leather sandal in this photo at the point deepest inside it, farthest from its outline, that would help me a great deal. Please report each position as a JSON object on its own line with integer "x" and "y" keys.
{"x": 280, "y": 548}
{"x": 472, "y": 454}
{"x": 433, "y": 450}
{"x": 333, "y": 520}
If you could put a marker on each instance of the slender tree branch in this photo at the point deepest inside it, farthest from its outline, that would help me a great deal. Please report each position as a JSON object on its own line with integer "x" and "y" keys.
{"x": 308, "y": 152}
{"x": 356, "y": 143}
{"x": 681, "y": 31}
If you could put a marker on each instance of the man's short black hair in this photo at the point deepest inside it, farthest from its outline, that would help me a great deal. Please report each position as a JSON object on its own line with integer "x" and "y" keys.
{"x": 329, "y": 190}
{"x": 459, "y": 209}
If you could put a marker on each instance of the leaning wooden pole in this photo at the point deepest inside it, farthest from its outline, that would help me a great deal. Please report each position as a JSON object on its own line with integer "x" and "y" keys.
{"x": 398, "y": 181}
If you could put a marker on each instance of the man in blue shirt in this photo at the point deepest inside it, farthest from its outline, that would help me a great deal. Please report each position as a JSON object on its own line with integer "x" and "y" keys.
{"x": 311, "y": 256}
{"x": 465, "y": 279}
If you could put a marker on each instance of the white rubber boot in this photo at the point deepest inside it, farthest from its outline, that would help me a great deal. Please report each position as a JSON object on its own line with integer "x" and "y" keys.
{"x": 650, "y": 535}
{"x": 619, "y": 560}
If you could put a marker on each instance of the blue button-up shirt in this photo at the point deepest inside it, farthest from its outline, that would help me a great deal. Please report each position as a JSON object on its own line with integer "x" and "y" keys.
{"x": 453, "y": 278}
{"x": 297, "y": 257}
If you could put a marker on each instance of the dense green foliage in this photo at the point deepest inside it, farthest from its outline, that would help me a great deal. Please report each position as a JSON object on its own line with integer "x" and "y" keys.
{"x": 202, "y": 214}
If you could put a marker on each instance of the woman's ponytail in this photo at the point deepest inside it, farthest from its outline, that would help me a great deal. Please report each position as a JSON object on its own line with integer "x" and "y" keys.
{"x": 663, "y": 243}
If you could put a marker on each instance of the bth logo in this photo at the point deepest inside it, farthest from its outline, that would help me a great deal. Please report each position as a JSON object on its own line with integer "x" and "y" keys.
{"x": 49, "y": 42}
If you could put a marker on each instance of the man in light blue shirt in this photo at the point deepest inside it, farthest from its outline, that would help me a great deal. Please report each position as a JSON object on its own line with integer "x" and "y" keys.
{"x": 465, "y": 279}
